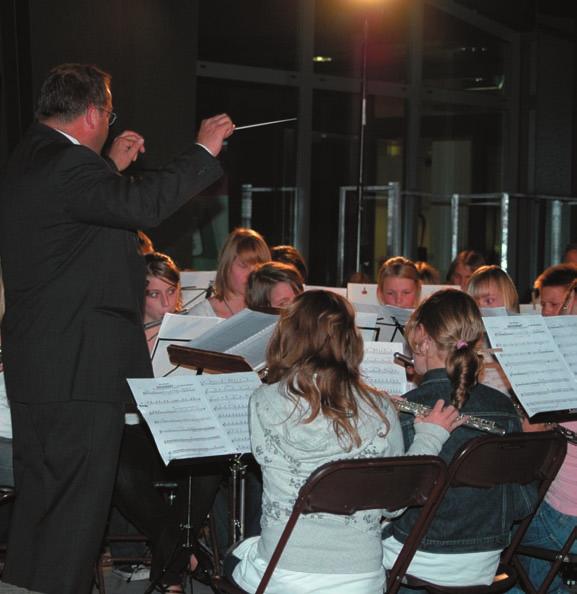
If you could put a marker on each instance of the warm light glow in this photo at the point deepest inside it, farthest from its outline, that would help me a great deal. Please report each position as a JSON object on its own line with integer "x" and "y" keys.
{"x": 322, "y": 59}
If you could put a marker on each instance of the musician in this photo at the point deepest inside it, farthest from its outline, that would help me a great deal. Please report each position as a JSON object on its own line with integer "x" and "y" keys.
{"x": 463, "y": 266}
{"x": 317, "y": 409}
{"x": 471, "y": 527}
{"x": 72, "y": 332}
{"x": 162, "y": 294}
{"x": 273, "y": 284}
{"x": 398, "y": 283}
{"x": 288, "y": 254}
{"x": 491, "y": 286}
{"x": 428, "y": 274}
{"x": 241, "y": 252}
{"x": 557, "y": 514}
{"x": 570, "y": 253}
{"x": 552, "y": 287}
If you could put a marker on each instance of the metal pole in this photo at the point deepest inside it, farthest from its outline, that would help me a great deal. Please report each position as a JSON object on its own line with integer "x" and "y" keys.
{"x": 246, "y": 206}
{"x": 454, "y": 226}
{"x": 362, "y": 127}
{"x": 505, "y": 231}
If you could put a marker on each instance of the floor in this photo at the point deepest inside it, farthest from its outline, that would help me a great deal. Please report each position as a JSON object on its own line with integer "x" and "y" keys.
{"x": 117, "y": 585}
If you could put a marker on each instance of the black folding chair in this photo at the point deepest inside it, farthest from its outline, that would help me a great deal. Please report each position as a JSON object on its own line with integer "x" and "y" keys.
{"x": 348, "y": 486}
{"x": 486, "y": 462}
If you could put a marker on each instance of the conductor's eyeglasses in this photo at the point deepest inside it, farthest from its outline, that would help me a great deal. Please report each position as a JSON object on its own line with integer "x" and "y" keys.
{"x": 111, "y": 115}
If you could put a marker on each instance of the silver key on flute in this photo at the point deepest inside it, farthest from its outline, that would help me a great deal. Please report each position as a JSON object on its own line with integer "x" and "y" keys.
{"x": 472, "y": 422}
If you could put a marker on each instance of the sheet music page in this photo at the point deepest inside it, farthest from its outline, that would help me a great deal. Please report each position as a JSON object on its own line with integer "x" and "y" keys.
{"x": 180, "y": 417}
{"x": 389, "y": 330}
{"x": 253, "y": 348}
{"x": 428, "y": 290}
{"x": 533, "y": 363}
{"x": 367, "y": 324}
{"x": 362, "y": 293}
{"x": 492, "y": 312}
{"x": 228, "y": 395}
{"x": 338, "y": 290}
{"x": 177, "y": 329}
{"x": 379, "y": 369}
{"x": 5, "y": 419}
{"x": 530, "y": 309}
{"x": 564, "y": 331}
{"x": 194, "y": 284}
{"x": 246, "y": 334}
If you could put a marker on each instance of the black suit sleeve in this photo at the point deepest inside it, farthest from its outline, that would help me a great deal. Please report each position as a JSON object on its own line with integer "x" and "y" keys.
{"x": 97, "y": 194}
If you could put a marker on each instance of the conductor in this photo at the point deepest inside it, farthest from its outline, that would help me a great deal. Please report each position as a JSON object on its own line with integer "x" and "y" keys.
{"x": 73, "y": 332}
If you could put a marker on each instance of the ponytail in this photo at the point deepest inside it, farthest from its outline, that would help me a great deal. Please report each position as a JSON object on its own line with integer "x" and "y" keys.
{"x": 453, "y": 321}
{"x": 463, "y": 368}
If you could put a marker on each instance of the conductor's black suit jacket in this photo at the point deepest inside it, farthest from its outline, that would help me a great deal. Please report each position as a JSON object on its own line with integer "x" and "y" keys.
{"x": 74, "y": 281}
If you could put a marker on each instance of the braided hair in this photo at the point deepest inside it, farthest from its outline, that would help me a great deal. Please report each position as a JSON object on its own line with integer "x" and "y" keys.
{"x": 453, "y": 321}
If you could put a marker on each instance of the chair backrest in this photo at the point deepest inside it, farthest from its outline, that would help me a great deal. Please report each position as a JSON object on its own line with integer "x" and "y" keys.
{"x": 515, "y": 458}
{"x": 518, "y": 458}
{"x": 348, "y": 486}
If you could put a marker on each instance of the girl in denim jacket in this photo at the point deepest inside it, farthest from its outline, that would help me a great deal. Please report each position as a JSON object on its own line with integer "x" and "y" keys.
{"x": 472, "y": 526}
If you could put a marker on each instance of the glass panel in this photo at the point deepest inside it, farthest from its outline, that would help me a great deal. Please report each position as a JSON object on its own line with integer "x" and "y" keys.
{"x": 457, "y": 55}
{"x": 339, "y": 36}
{"x": 261, "y": 157}
{"x": 251, "y": 32}
{"x": 461, "y": 151}
{"x": 335, "y": 166}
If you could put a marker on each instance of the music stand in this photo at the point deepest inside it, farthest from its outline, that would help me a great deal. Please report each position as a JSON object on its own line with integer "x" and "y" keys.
{"x": 211, "y": 362}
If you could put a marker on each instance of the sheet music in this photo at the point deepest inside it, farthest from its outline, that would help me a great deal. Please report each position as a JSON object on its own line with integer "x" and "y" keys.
{"x": 193, "y": 285}
{"x": 492, "y": 312}
{"x": 388, "y": 331}
{"x": 564, "y": 331}
{"x": 228, "y": 394}
{"x": 5, "y": 419}
{"x": 362, "y": 293}
{"x": 338, "y": 290}
{"x": 246, "y": 334}
{"x": 533, "y": 363}
{"x": 379, "y": 369}
{"x": 530, "y": 309}
{"x": 428, "y": 290}
{"x": 197, "y": 416}
{"x": 175, "y": 329}
{"x": 367, "y": 324}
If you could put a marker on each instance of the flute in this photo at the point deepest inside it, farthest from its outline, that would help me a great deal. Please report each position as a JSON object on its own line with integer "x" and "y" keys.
{"x": 472, "y": 422}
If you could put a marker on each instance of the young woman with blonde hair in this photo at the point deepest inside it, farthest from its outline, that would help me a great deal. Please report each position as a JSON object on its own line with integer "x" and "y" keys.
{"x": 273, "y": 284}
{"x": 399, "y": 283}
{"x": 317, "y": 409}
{"x": 472, "y": 526}
{"x": 491, "y": 286}
{"x": 241, "y": 252}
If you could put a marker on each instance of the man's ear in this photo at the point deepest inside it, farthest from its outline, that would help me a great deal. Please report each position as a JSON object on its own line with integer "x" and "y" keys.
{"x": 90, "y": 116}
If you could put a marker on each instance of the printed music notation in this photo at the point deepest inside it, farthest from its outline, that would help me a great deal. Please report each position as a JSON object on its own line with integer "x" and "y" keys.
{"x": 538, "y": 360}
{"x": 197, "y": 416}
{"x": 380, "y": 370}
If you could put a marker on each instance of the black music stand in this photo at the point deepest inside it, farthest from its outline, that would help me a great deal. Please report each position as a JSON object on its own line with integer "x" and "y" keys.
{"x": 211, "y": 362}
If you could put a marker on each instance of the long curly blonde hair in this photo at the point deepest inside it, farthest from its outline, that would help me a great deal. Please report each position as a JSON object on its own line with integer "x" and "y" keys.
{"x": 316, "y": 351}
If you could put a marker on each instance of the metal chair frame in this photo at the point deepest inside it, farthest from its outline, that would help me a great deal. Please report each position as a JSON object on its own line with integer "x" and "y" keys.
{"x": 486, "y": 462}
{"x": 345, "y": 487}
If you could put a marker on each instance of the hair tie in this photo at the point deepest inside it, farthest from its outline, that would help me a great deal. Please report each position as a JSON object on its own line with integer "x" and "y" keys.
{"x": 461, "y": 344}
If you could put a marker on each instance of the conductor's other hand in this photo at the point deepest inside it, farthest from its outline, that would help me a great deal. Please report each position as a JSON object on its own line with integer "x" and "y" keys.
{"x": 213, "y": 131}
{"x": 125, "y": 149}
{"x": 445, "y": 416}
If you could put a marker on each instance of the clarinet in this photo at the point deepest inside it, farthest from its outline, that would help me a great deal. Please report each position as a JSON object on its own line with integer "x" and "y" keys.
{"x": 472, "y": 422}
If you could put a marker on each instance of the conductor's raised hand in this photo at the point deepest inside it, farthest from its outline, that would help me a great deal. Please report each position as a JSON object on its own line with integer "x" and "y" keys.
{"x": 213, "y": 131}
{"x": 125, "y": 149}
{"x": 447, "y": 416}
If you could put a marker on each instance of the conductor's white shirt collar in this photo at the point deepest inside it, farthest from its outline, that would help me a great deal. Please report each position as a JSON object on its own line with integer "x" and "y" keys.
{"x": 71, "y": 138}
